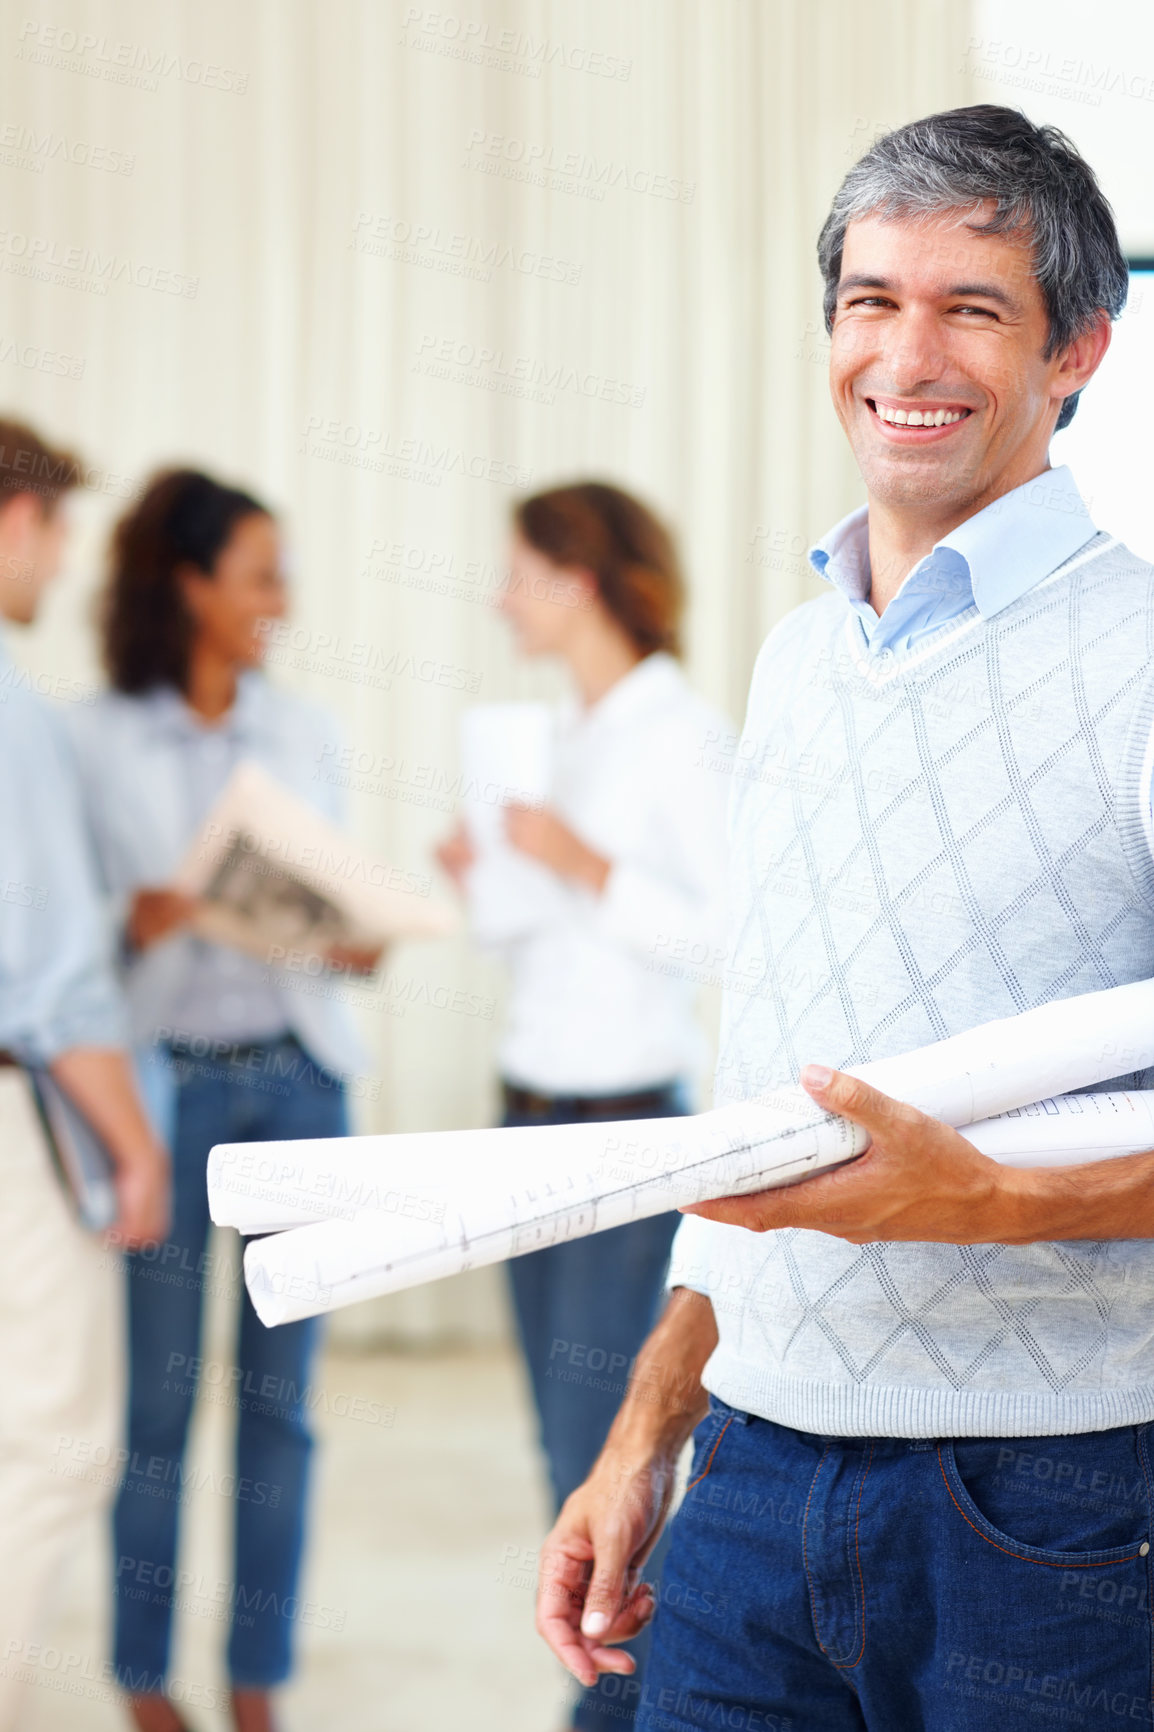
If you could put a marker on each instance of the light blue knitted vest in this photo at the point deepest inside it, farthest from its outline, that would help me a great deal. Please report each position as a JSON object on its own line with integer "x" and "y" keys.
{"x": 918, "y": 847}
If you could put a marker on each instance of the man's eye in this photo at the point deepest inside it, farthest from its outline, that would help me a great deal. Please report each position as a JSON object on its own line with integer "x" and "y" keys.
{"x": 982, "y": 312}
{"x": 869, "y": 301}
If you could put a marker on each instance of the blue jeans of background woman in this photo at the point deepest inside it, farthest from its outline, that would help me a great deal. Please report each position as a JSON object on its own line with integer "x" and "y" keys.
{"x": 583, "y": 1309}
{"x": 252, "y": 1094}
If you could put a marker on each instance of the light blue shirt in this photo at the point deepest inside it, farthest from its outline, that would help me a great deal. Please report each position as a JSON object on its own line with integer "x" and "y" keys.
{"x": 986, "y": 563}
{"x": 151, "y": 771}
{"x": 57, "y": 986}
{"x": 224, "y": 995}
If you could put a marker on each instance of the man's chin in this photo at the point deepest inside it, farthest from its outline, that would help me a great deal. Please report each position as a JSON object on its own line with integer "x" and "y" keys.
{"x": 916, "y": 479}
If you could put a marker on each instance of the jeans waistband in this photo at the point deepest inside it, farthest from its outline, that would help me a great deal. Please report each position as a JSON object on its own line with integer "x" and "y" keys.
{"x": 881, "y": 1445}
{"x": 199, "y": 1048}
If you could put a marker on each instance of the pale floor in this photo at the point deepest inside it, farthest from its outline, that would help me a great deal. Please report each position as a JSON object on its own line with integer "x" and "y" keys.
{"x": 419, "y": 1574}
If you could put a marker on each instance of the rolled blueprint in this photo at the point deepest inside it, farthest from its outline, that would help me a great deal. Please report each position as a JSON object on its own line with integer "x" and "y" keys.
{"x": 480, "y": 1196}
{"x": 1068, "y": 1131}
{"x": 269, "y": 1187}
{"x": 435, "y": 1204}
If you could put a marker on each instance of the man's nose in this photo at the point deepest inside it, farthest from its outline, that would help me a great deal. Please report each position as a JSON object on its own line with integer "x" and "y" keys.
{"x": 913, "y": 351}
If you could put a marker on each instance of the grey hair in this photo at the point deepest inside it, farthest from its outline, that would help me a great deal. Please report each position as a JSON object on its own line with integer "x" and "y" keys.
{"x": 1039, "y": 186}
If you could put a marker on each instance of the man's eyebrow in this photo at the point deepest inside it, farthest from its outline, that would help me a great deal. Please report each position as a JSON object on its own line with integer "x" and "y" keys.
{"x": 983, "y": 291}
{"x": 986, "y": 292}
{"x": 863, "y": 280}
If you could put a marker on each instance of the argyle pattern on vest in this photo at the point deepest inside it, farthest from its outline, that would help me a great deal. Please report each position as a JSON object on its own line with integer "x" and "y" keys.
{"x": 921, "y": 843}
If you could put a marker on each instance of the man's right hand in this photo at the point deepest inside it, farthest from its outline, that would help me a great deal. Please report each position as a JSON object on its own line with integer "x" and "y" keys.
{"x": 589, "y": 1596}
{"x": 100, "y": 1083}
{"x": 588, "y": 1593}
{"x": 156, "y": 913}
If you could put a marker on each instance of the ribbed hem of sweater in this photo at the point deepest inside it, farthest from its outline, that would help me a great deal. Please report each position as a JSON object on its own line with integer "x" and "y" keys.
{"x": 880, "y": 1410}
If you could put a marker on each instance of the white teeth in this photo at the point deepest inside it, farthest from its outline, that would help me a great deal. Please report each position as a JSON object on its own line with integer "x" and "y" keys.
{"x": 918, "y": 417}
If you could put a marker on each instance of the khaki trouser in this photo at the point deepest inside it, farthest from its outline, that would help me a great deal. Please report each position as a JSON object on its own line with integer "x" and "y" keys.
{"x": 61, "y": 1388}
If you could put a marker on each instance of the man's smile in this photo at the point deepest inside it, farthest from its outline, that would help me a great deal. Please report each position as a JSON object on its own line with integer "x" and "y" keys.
{"x": 916, "y": 421}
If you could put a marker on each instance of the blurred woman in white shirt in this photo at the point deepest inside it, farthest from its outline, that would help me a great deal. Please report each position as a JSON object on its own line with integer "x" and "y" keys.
{"x": 601, "y": 1021}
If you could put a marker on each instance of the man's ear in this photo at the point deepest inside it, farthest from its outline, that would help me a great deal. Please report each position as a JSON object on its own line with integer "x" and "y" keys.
{"x": 1080, "y": 360}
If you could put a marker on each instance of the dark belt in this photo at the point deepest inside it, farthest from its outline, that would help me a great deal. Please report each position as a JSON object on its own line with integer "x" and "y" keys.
{"x": 228, "y": 1051}
{"x": 528, "y": 1104}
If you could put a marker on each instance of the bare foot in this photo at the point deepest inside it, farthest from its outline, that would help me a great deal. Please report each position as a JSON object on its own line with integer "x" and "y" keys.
{"x": 252, "y": 1711}
{"x": 155, "y": 1713}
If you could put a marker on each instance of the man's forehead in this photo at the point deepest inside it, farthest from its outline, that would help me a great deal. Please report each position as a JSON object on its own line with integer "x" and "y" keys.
{"x": 938, "y": 251}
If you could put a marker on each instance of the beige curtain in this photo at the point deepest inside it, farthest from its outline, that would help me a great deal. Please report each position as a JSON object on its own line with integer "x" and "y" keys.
{"x": 390, "y": 264}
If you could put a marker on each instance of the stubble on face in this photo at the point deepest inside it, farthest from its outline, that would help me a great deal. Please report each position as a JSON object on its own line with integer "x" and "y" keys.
{"x": 932, "y": 318}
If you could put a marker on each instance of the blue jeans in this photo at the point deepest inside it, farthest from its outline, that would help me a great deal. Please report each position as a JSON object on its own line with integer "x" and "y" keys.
{"x": 584, "y": 1308}
{"x": 820, "y": 1584}
{"x": 268, "y": 1093}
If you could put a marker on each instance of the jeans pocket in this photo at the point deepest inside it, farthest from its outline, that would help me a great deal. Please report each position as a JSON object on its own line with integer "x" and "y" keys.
{"x": 1071, "y": 1502}
{"x": 707, "y": 1438}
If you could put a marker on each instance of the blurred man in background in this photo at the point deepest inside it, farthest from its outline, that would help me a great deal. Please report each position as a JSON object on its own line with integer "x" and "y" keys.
{"x": 60, "y": 1328}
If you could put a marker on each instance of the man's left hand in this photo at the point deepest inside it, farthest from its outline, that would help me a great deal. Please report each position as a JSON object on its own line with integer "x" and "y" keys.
{"x": 917, "y": 1180}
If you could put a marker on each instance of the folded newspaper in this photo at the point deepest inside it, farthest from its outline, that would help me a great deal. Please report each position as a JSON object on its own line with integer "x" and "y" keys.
{"x": 353, "y": 1218}
{"x": 277, "y": 880}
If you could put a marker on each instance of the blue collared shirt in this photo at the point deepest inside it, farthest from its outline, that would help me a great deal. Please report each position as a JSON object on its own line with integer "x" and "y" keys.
{"x": 150, "y": 773}
{"x": 985, "y": 563}
{"x": 224, "y": 995}
{"x": 57, "y": 986}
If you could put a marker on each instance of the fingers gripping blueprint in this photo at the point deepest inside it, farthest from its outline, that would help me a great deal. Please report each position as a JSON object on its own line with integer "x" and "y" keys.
{"x": 352, "y": 1218}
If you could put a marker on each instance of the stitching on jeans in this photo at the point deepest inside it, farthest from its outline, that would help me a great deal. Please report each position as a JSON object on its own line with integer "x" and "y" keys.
{"x": 712, "y": 1453}
{"x": 1023, "y": 1557}
{"x": 857, "y": 1549}
{"x": 1143, "y": 1435}
{"x": 805, "y": 1553}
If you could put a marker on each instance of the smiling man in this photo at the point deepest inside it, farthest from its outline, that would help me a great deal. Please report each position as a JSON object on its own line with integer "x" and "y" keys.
{"x": 921, "y": 1495}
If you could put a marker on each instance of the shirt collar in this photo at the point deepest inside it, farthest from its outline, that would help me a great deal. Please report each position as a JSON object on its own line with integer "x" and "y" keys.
{"x": 999, "y": 554}
{"x": 171, "y": 713}
{"x": 647, "y": 682}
